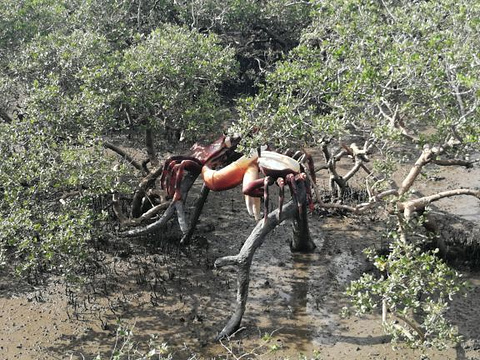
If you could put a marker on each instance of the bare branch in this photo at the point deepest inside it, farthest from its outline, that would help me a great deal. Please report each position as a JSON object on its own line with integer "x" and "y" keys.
{"x": 124, "y": 155}
{"x": 145, "y": 216}
{"x": 243, "y": 260}
{"x": 388, "y": 11}
{"x": 3, "y": 115}
{"x": 361, "y": 208}
{"x": 427, "y": 155}
{"x": 146, "y": 183}
{"x": 354, "y": 170}
{"x": 412, "y": 325}
{"x": 151, "y": 227}
{"x": 227, "y": 261}
{"x": 408, "y": 207}
{"x": 455, "y": 162}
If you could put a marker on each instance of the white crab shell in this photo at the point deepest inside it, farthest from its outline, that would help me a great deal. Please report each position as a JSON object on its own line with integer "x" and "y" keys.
{"x": 278, "y": 162}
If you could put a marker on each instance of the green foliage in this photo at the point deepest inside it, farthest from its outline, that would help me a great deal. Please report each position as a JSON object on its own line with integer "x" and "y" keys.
{"x": 46, "y": 195}
{"x": 261, "y": 32}
{"x": 283, "y": 19}
{"x": 376, "y": 68}
{"x": 168, "y": 79}
{"x": 77, "y": 69}
{"x": 70, "y": 81}
{"x": 415, "y": 287}
{"x": 88, "y": 72}
{"x": 171, "y": 79}
{"x": 20, "y": 21}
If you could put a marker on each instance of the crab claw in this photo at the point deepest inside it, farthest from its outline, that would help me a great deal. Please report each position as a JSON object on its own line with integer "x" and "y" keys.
{"x": 252, "y": 203}
{"x": 229, "y": 176}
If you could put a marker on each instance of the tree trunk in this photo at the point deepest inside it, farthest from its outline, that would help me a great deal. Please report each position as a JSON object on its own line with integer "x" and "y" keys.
{"x": 152, "y": 154}
{"x": 301, "y": 241}
{"x": 243, "y": 260}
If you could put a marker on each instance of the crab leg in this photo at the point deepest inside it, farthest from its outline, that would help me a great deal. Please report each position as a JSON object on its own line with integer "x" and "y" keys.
{"x": 290, "y": 179}
{"x": 281, "y": 195}
{"x": 168, "y": 180}
{"x": 178, "y": 170}
{"x": 267, "y": 181}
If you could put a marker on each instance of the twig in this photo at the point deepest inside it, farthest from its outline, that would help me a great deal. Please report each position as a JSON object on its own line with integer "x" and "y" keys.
{"x": 145, "y": 216}
{"x": 452, "y": 162}
{"x": 124, "y": 154}
{"x": 414, "y": 326}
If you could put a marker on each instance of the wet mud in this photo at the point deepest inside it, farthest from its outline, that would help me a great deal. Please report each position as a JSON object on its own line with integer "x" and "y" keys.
{"x": 294, "y": 305}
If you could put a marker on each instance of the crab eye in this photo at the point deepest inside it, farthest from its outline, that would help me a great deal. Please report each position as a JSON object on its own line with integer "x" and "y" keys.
{"x": 227, "y": 142}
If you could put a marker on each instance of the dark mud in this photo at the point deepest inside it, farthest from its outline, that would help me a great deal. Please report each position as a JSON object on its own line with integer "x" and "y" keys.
{"x": 294, "y": 302}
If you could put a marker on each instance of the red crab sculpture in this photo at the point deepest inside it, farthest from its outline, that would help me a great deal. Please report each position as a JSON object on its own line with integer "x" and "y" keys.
{"x": 235, "y": 169}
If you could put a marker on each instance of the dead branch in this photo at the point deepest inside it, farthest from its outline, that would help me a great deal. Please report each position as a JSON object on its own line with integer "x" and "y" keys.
{"x": 167, "y": 215}
{"x": 395, "y": 120}
{"x": 4, "y": 115}
{"x": 353, "y": 170}
{"x": 360, "y": 158}
{"x": 326, "y": 153}
{"x": 146, "y": 183}
{"x": 427, "y": 155}
{"x": 361, "y": 208}
{"x": 455, "y": 162}
{"x": 410, "y": 206}
{"x": 124, "y": 155}
{"x": 125, "y": 222}
{"x": 337, "y": 183}
{"x": 243, "y": 261}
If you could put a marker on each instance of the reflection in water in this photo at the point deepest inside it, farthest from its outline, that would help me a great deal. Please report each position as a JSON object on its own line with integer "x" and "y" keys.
{"x": 298, "y": 297}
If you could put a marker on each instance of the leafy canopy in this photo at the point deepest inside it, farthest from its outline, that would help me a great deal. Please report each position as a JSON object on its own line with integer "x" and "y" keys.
{"x": 72, "y": 86}
{"x": 383, "y": 68}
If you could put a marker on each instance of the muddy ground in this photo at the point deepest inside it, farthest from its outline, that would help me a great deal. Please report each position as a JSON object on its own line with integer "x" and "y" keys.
{"x": 294, "y": 305}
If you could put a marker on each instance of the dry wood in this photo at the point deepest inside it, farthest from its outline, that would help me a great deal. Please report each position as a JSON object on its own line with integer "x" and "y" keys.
{"x": 410, "y": 206}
